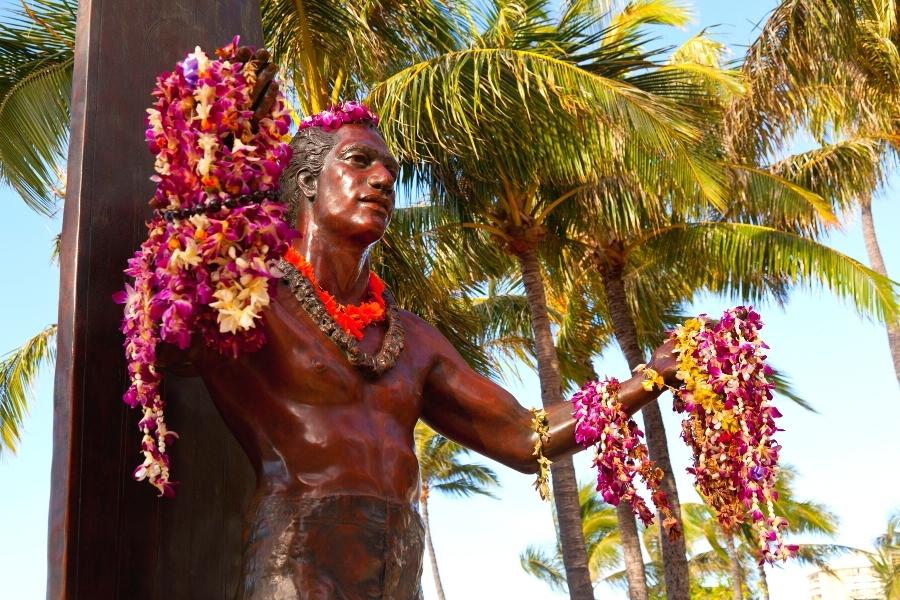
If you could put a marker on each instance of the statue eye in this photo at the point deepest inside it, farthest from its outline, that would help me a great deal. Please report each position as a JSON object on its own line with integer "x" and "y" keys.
{"x": 358, "y": 158}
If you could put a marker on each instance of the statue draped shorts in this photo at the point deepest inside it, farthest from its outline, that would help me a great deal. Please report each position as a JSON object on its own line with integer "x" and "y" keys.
{"x": 332, "y": 548}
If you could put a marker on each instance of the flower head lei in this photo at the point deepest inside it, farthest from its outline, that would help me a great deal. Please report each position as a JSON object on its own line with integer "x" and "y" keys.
{"x": 207, "y": 266}
{"x": 345, "y": 113}
{"x": 730, "y": 423}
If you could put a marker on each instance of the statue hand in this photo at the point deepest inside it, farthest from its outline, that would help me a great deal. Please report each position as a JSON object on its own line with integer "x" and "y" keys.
{"x": 265, "y": 90}
{"x": 665, "y": 362}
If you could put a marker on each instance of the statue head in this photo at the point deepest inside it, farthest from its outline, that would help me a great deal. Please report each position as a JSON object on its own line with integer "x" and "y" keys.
{"x": 341, "y": 177}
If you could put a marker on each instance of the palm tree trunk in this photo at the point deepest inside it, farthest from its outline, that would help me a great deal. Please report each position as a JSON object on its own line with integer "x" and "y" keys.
{"x": 736, "y": 579}
{"x": 763, "y": 582}
{"x": 562, "y": 473}
{"x": 674, "y": 553}
{"x": 876, "y": 260}
{"x": 434, "y": 565}
{"x": 631, "y": 550}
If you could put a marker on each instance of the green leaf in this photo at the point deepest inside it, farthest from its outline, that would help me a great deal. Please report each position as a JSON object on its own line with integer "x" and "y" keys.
{"x": 746, "y": 260}
{"x": 36, "y": 59}
{"x": 18, "y": 370}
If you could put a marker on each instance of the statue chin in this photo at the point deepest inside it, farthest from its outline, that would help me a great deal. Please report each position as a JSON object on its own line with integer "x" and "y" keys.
{"x": 372, "y": 231}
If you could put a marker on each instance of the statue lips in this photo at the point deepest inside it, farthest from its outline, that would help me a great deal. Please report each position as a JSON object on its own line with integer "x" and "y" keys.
{"x": 379, "y": 203}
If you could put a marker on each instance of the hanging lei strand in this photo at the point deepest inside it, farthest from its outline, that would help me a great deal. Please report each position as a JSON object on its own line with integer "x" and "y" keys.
{"x": 730, "y": 423}
{"x": 207, "y": 267}
{"x": 621, "y": 455}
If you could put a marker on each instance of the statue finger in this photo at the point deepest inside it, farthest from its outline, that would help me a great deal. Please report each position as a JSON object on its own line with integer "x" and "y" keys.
{"x": 263, "y": 80}
{"x": 266, "y": 103}
{"x": 243, "y": 54}
{"x": 262, "y": 56}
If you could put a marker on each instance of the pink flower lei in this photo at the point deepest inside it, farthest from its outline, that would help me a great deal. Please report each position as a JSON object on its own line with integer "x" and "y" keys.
{"x": 730, "y": 424}
{"x": 208, "y": 264}
{"x": 621, "y": 455}
{"x": 333, "y": 117}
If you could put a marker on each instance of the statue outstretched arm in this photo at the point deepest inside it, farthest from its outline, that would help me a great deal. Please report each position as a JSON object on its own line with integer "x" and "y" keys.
{"x": 479, "y": 414}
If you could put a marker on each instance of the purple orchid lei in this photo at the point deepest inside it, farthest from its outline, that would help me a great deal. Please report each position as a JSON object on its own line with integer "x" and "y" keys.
{"x": 333, "y": 117}
{"x": 730, "y": 424}
{"x": 621, "y": 455}
{"x": 208, "y": 264}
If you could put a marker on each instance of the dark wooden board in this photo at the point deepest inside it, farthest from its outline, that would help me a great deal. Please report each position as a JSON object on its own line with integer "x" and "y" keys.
{"x": 109, "y": 536}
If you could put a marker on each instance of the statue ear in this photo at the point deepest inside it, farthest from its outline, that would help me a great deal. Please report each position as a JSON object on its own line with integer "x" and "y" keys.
{"x": 307, "y": 182}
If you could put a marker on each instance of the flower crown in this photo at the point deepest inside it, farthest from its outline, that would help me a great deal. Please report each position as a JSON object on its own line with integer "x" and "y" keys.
{"x": 345, "y": 113}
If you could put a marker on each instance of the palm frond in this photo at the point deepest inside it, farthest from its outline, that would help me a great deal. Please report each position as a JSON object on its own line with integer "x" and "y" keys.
{"x": 336, "y": 49}
{"x": 473, "y": 105}
{"x": 55, "y": 249}
{"x": 36, "y": 60}
{"x": 842, "y": 172}
{"x": 602, "y": 541}
{"x": 467, "y": 479}
{"x": 442, "y": 469}
{"x": 737, "y": 258}
{"x": 18, "y": 370}
{"x": 819, "y": 555}
{"x": 796, "y": 75}
{"x": 639, "y": 13}
{"x": 420, "y": 271}
{"x": 544, "y": 566}
{"x": 769, "y": 199}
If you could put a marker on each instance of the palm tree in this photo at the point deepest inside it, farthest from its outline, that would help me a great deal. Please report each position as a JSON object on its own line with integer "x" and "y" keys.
{"x": 36, "y": 59}
{"x": 572, "y": 84}
{"x": 441, "y": 469}
{"x": 642, "y": 284}
{"x": 647, "y": 275}
{"x": 885, "y": 559}
{"x": 503, "y": 314}
{"x": 831, "y": 67}
{"x": 735, "y": 555}
{"x": 604, "y": 548}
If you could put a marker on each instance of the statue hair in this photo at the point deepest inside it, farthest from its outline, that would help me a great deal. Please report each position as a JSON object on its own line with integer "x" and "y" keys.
{"x": 309, "y": 147}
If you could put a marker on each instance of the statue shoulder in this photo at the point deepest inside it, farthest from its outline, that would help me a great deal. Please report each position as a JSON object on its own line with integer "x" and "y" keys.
{"x": 425, "y": 336}
{"x": 416, "y": 326}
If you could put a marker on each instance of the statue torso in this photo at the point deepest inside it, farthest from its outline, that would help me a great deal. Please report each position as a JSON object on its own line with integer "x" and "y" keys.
{"x": 313, "y": 424}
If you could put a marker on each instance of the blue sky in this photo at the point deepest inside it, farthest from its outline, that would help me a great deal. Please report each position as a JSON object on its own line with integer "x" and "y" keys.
{"x": 846, "y": 455}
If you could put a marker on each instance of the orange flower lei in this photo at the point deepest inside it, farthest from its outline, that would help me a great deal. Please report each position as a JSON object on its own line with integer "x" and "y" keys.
{"x": 351, "y": 318}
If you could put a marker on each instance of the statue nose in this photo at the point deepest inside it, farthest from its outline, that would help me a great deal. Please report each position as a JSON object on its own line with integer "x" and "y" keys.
{"x": 382, "y": 179}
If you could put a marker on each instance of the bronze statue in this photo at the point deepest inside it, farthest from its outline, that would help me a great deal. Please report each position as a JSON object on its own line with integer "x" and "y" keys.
{"x": 335, "y": 509}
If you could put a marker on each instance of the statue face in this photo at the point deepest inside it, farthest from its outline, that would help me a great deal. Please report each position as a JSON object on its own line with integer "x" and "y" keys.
{"x": 355, "y": 190}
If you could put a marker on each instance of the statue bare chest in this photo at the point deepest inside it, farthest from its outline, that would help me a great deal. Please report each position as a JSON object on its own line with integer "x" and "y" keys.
{"x": 299, "y": 368}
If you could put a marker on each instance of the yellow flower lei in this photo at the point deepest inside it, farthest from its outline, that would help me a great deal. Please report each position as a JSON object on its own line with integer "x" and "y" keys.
{"x": 540, "y": 424}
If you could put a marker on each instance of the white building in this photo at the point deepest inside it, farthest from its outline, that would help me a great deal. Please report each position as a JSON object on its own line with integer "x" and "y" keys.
{"x": 847, "y": 583}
